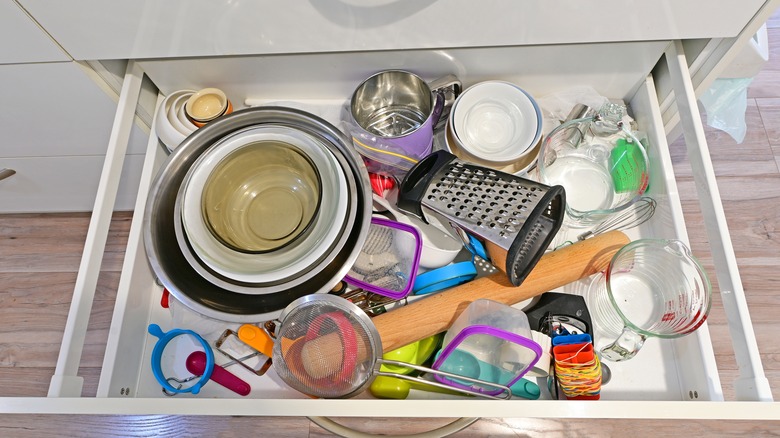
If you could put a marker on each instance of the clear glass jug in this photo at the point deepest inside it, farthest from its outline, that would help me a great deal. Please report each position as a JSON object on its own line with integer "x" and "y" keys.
{"x": 652, "y": 288}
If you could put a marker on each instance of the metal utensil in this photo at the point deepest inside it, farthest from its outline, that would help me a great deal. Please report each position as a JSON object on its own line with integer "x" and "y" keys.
{"x": 574, "y": 134}
{"x": 516, "y": 218}
{"x": 230, "y": 338}
{"x": 639, "y": 212}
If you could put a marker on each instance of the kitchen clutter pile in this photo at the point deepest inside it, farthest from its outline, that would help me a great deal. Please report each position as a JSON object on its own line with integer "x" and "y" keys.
{"x": 416, "y": 246}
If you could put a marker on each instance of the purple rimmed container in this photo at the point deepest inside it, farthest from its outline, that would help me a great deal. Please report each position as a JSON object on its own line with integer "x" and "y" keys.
{"x": 489, "y": 341}
{"x": 388, "y": 263}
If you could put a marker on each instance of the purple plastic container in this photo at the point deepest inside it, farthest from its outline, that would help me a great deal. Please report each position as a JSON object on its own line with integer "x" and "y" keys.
{"x": 389, "y": 260}
{"x": 489, "y": 341}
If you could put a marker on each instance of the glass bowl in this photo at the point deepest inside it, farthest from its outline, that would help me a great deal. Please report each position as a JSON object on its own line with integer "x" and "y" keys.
{"x": 285, "y": 262}
{"x": 261, "y": 196}
{"x": 601, "y": 164}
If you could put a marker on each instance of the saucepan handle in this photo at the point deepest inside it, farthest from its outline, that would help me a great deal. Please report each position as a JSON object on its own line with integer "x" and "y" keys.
{"x": 445, "y": 90}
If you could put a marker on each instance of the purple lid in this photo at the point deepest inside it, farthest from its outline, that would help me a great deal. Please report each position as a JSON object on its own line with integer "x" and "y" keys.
{"x": 472, "y": 330}
{"x": 407, "y": 276}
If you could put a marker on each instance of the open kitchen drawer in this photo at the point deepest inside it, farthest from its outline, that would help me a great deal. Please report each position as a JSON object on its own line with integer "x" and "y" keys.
{"x": 668, "y": 379}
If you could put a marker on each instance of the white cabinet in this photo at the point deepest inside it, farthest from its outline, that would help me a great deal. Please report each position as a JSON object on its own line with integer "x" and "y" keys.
{"x": 179, "y": 28}
{"x": 56, "y": 139}
{"x": 23, "y": 40}
{"x": 65, "y": 183}
{"x": 57, "y": 125}
{"x": 634, "y": 57}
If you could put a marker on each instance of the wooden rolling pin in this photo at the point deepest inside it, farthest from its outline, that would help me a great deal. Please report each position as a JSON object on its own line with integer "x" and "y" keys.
{"x": 436, "y": 313}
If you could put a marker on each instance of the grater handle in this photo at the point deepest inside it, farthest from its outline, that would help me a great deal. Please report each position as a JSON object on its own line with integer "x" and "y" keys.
{"x": 534, "y": 237}
{"x": 416, "y": 181}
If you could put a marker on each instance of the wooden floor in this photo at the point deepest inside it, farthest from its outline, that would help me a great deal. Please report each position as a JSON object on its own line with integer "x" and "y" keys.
{"x": 40, "y": 255}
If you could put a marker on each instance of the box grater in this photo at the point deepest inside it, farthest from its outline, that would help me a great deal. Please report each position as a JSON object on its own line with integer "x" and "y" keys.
{"x": 518, "y": 216}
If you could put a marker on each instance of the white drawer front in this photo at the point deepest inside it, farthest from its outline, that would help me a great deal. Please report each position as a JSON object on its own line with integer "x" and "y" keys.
{"x": 613, "y": 69}
{"x": 57, "y": 184}
{"x": 179, "y": 28}
{"x": 61, "y": 112}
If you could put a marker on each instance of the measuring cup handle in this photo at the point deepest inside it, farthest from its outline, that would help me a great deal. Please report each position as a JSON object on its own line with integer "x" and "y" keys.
{"x": 625, "y": 347}
{"x": 416, "y": 181}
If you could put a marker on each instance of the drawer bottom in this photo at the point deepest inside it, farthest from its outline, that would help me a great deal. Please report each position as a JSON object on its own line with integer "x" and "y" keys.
{"x": 665, "y": 370}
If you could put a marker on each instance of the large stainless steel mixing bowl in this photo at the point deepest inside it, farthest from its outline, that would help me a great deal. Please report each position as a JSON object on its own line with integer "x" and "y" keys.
{"x": 188, "y": 285}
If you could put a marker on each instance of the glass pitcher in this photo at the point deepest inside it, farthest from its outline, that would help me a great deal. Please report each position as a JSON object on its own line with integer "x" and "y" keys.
{"x": 652, "y": 288}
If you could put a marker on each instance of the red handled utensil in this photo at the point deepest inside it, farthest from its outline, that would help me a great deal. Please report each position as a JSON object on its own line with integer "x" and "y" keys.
{"x": 381, "y": 183}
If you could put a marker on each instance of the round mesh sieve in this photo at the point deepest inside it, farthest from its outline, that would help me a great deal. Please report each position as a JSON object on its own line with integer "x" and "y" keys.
{"x": 326, "y": 347}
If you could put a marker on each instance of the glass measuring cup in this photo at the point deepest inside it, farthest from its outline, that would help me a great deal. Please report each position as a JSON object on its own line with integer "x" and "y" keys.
{"x": 652, "y": 288}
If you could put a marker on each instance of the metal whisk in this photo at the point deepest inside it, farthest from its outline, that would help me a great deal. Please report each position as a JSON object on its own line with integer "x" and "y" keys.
{"x": 642, "y": 210}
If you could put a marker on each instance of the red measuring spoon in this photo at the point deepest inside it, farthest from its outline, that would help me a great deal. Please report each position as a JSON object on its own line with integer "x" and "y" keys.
{"x": 196, "y": 364}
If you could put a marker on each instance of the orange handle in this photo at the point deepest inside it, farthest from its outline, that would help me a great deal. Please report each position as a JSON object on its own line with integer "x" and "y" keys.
{"x": 256, "y": 338}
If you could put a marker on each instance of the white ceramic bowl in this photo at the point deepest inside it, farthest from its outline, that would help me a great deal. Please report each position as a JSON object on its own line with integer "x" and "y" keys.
{"x": 519, "y": 167}
{"x": 287, "y": 261}
{"x": 169, "y": 134}
{"x": 181, "y": 115}
{"x": 206, "y": 105}
{"x": 496, "y": 121}
{"x": 173, "y": 117}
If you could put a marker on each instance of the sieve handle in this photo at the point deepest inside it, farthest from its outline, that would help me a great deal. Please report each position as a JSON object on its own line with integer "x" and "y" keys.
{"x": 436, "y": 313}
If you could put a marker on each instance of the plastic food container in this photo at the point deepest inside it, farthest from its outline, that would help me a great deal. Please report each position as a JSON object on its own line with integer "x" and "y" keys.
{"x": 489, "y": 341}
